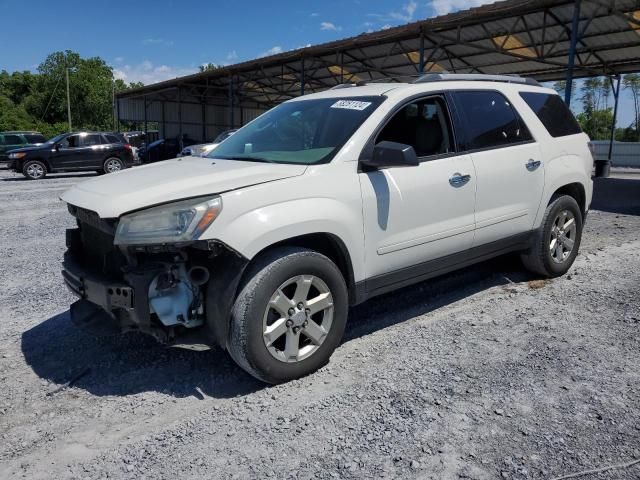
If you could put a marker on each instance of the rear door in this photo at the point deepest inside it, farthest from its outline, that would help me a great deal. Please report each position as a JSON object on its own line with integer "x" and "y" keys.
{"x": 507, "y": 161}
{"x": 94, "y": 151}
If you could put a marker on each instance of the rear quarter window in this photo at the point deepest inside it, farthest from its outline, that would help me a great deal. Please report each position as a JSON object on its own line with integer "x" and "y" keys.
{"x": 553, "y": 113}
{"x": 35, "y": 138}
{"x": 112, "y": 139}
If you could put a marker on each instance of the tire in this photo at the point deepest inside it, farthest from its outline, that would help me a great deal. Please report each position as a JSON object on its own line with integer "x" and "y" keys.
{"x": 281, "y": 276}
{"x": 555, "y": 244}
{"x": 112, "y": 165}
{"x": 34, "y": 170}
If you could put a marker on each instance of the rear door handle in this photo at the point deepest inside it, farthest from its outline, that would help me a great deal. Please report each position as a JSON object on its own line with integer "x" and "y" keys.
{"x": 533, "y": 164}
{"x": 458, "y": 179}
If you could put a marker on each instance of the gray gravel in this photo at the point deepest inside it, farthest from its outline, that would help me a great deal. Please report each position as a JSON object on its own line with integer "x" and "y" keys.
{"x": 482, "y": 374}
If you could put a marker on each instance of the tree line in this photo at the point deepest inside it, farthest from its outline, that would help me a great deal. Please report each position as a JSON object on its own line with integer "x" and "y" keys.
{"x": 597, "y": 99}
{"x": 37, "y": 101}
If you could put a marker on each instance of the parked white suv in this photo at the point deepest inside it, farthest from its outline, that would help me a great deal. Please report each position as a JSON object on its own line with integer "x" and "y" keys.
{"x": 323, "y": 202}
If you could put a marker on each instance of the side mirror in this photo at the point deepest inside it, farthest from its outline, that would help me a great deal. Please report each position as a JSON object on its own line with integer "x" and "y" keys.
{"x": 392, "y": 154}
{"x": 56, "y": 147}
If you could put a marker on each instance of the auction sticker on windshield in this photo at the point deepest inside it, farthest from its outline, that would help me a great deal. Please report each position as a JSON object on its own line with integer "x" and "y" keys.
{"x": 351, "y": 104}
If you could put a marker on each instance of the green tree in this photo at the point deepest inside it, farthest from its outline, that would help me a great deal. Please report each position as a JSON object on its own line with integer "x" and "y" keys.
{"x": 209, "y": 66}
{"x": 596, "y": 123}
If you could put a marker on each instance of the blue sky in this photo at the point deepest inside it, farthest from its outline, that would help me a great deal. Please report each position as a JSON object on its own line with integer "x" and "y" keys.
{"x": 153, "y": 41}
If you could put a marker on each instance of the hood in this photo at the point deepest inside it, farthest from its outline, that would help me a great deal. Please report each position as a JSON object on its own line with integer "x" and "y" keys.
{"x": 26, "y": 149}
{"x": 113, "y": 194}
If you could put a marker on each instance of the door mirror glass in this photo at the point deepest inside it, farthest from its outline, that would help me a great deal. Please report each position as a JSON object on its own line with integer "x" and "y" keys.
{"x": 392, "y": 154}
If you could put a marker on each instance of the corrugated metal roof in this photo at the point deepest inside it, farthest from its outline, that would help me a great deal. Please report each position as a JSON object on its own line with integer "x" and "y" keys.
{"x": 526, "y": 37}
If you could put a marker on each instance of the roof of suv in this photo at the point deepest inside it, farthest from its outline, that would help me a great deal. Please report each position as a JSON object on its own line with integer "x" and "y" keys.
{"x": 448, "y": 82}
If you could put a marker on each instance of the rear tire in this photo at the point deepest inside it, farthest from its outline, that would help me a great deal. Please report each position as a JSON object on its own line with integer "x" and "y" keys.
{"x": 555, "y": 244}
{"x": 289, "y": 316}
{"x": 34, "y": 170}
{"x": 112, "y": 165}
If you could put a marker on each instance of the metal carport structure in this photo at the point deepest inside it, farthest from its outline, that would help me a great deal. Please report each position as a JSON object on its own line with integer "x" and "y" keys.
{"x": 544, "y": 39}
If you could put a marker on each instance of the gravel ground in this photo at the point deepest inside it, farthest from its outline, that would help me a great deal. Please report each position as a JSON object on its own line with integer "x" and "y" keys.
{"x": 486, "y": 373}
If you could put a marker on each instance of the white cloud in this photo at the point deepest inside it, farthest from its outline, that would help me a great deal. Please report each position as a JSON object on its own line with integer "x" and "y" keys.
{"x": 146, "y": 72}
{"x": 272, "y": 51}
{"x": 330, "y": 26}
{"x": 118, "y": 59}
{"x": 386, "y": 27}
{"x": 157, "y": 41}
{"x": 404, "y": 15}
{"x": 314, "y": 14}
{"x": 442, "y": 7}
{"x": 232, "y": 55}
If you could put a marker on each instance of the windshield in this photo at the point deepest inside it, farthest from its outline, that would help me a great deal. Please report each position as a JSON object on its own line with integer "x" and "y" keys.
{"x": 304, "y": 132}
{"x": 57, "y": 138}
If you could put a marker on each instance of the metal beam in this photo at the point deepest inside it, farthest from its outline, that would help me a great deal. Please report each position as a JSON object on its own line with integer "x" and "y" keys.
{"x": 572, "y": 52}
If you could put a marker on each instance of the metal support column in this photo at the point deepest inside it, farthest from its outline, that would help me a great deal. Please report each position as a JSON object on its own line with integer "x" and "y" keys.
{"x": 164, "y": 127}
{"x": 145, "y": 117}
{"x": 603, "y": 167}
{"x": 117, "y": 114}
{"x": 231, "y": 105}
{"x": 575, "y": 25}
{"x": 421, "y": 66}
{"x": 302, "y": 80}
{"x": 179, "y": 113}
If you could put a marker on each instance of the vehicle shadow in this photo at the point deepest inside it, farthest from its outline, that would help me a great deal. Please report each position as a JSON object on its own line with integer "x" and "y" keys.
{"x": 617, "y": 195}
{"x": 133, "y": 363}
{"x": 53, "y": 176}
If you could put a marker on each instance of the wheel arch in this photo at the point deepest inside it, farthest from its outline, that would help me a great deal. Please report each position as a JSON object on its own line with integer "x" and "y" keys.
{"x": 575, "y": 190}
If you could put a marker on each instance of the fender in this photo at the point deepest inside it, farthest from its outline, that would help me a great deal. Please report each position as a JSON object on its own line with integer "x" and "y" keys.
{"x": 561, "y": 171}
{"x": 255, "y": 230}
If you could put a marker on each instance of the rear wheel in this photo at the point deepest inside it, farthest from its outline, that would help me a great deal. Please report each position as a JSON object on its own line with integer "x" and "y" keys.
{"x": 556, "y": 242}
{"x": 34, "y": 170}
{"x": 289, "y": 316}
{"x": 112, "y": 165}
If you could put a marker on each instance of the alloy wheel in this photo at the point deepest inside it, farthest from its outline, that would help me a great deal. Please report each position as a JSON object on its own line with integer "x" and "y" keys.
{"x": 298, "y": 318}
{"x": 35, "y": 170}
{"x": 113, "y": 166}
{"x": 563, "y": 236}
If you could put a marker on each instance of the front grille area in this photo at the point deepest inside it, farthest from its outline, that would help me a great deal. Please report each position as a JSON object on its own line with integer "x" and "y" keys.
{"x": 94, "y": 248}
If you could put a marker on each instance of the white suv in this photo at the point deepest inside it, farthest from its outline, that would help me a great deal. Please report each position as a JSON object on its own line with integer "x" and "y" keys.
{"x": 323, "y": 202}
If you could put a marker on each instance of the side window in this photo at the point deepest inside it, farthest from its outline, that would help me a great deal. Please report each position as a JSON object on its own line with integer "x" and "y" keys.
{"x": 12, "y": 140}
{"x": 35, "y": 138}
{"x": 423, "y": 124}
{"x": 490, "y": 120}
{"x": 112, "y": 139}
{"x": 72, "y": 141}
{"x": 553, "y": 113}
{"x": 90, "y": 140}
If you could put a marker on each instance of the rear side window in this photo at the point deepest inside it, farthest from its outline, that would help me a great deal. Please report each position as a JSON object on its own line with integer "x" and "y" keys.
{"x": 112, "y": 139}
{"x": 490, "y": 121}
{"x": 12, "y": 140}
{"x": 553, "y": 113}
{"x": 35, "y": 138}
{"x": 90, "y": 140}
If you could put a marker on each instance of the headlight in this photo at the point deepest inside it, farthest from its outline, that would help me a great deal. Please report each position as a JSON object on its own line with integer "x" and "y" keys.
{"x": 174, "y": 222}
{"x": 17, "y": 155}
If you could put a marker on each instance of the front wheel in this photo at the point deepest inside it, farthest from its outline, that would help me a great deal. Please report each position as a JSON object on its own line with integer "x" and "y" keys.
{"x": 34, "y": 170}
{"x": 289, "y": 316}
{"x": 112, "y": 165}
{"x": 555, "y": 244}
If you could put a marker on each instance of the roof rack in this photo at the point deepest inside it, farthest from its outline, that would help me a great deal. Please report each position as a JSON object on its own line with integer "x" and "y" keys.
{"x": 448, "y": 77}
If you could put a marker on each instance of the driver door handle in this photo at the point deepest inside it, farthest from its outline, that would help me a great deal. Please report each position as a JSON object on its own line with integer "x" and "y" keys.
{"x": 458, "y": 179}
{"x": 533, "y": 164}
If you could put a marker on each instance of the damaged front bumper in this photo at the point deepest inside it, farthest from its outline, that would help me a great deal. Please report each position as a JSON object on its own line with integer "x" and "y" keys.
{"x": 117, "y": 302}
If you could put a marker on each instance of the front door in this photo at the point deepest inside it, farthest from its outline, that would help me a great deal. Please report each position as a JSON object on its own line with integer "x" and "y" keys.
{"x": 416, "y": 214}
{"x": 508, "y": 165}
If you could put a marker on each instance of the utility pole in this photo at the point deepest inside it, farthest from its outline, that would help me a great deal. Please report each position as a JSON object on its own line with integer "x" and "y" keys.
{"x": 68, "y": 100}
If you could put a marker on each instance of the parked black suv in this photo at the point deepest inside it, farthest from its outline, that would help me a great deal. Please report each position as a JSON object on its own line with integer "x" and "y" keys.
{"x": 73, "y": 152}
{"x": 13, "y": 140}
